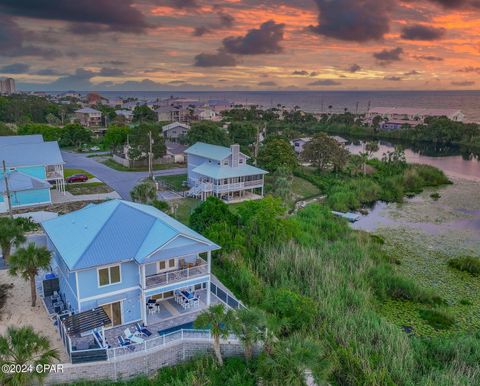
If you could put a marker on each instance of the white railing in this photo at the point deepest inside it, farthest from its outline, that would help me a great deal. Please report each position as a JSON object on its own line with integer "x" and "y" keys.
{"x": 237, "y": 185}
{"x": 160, "y": 342}
{"x": 175, "y": 276}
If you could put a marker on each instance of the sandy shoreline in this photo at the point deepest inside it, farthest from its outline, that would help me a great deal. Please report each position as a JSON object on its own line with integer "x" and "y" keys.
{"x": 18, "y": 311}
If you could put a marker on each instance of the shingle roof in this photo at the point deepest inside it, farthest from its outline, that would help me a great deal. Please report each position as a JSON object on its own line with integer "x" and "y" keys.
{"x": 175, "y": 124}
{"x": 20, "y": 139}
{"x": 18, "y": 182}
{"x": 32, "y": 154}
{"x": 209, "y": 151}
{"x": 217, "y": 171}
{"x": 117, "y": 231}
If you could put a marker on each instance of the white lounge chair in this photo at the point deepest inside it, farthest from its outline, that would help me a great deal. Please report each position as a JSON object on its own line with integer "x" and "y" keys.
{"x": 131, "y": 337}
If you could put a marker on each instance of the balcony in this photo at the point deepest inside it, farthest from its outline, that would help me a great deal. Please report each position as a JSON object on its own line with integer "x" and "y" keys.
{"x": 199, "y": 268}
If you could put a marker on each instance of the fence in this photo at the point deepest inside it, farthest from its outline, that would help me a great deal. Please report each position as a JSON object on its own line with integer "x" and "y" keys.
{"x": 159, "y": 342}
{"x": 225, "y": 297}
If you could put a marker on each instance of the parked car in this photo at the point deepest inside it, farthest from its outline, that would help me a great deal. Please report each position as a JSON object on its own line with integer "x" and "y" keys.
{"x": 77, "y": 178}
{"x": 95, "y": 148}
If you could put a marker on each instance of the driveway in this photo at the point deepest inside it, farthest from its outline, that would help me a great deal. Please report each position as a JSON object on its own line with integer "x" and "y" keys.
{"x": 121, "y": 182}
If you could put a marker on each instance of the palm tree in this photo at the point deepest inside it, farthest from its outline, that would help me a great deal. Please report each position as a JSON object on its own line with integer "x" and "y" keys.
{"x": 248, "y": 326}
{"x": 144, "y": 192}
{"x": 218, "y": 320}
{"x": 291, "y": 360}
{"x": 26, "y": 262}
{"x": 22, "y": 346}
{"x": 12, "y": 233}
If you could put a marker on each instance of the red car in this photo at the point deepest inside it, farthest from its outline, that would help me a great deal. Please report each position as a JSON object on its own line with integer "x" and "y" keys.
{"x": 77, "y": 178}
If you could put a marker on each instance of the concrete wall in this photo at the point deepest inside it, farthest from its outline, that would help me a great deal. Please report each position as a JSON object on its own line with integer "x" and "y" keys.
{"x": 141, "y": 363}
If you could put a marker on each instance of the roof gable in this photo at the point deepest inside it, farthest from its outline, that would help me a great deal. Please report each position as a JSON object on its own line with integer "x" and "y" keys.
{"x": 116, "y": 231}
{"x": 32, "y": 154}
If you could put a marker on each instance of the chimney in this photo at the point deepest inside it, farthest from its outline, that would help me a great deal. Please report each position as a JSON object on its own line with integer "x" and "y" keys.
{"x": 235, "y": 155}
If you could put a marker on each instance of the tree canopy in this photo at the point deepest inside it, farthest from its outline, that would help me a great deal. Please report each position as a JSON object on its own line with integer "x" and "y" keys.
{"x": 116, "y": 136}
{"x": 144, "y": 114}
{"x": 208, "y": 132}
{"x": 276, "y": 152}
{"x": 324, "y": 152}
{"x": 140, "y": 142}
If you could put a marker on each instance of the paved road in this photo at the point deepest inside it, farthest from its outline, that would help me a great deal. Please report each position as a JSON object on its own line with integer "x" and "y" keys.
{"x": 121, "y": 182}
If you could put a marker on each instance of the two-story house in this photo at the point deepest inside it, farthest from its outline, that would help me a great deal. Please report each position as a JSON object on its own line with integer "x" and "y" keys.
{"x": 222, "y": 172}
{"x": 123, "y": 257}
{"x": 175, "y": 131}
{"x": 89, "y": 117}
{"x": 32, "y": 165}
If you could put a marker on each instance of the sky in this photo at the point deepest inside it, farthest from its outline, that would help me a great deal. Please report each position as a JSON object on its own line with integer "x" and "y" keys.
{"x": 150, "y": 45}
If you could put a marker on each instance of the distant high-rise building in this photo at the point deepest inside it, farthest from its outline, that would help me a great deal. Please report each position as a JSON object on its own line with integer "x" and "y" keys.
{"x": 7, "y": 86}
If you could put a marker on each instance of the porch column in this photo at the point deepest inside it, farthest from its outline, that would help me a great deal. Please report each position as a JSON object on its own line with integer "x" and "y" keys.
{"x": 209, "y": 264}
{"x": 143, "y": 307}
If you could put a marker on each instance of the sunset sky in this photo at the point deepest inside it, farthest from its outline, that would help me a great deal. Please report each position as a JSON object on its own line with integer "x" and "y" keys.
{"x": 240, "y": 44}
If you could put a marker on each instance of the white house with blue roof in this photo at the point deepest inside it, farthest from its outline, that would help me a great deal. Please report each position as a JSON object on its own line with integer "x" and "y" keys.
{"x": 126, "y": 257}
{"x": 32, "y": 165}
{"x": 222, "y": 172}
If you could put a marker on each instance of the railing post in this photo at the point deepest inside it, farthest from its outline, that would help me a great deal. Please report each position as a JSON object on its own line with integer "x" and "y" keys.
{"x": 182, "y": 333}
{"x": 188, "y": 272}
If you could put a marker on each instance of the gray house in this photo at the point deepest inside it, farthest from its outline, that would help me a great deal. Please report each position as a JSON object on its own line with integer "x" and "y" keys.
{"x": 174, "y": 131}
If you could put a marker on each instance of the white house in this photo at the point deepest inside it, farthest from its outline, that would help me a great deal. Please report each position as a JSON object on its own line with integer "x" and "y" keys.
{"x": 222, "y": 172}
{"x": 89, "y": 117}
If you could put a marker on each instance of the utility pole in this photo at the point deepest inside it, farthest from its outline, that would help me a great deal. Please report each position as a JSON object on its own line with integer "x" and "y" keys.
{"x": 150, "y": 156}
{"x": 7, "y": 189}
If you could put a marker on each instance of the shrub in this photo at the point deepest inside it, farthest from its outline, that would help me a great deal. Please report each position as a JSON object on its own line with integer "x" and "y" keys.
{"x": 437, "y": 319}
{"x": 465, "y": 302}
{"x": 388, "y": 284}
{"x": 435, "y": 196}
{"x": 343, "y": 200}
{"x": 466, "y": 264}
{"x": 412, "y": 181}
{"x": 161, "y": 205}
{"x": 431, "y": 176}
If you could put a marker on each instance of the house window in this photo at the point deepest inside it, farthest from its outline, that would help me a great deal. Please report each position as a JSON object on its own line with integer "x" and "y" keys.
{"x": 225, "y": 162}
{"x": 109, "y": 275}
{"x": 167, "y": 264}
{"x": 240, "y": 161}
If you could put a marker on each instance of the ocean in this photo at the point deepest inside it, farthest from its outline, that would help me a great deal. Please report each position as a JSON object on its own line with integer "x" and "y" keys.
{"x": 338, "y": 101}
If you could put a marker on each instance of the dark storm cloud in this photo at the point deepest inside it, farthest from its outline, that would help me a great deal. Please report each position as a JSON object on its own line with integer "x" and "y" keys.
{"x": 267, "y": 84}
{"x": 200, "y": 31}
{"x": 422, "y": 32}
{"x": 354, "y": 68}
{"x": 353, "y": 20}
{"x": 179, "y": 4}
{"x": 387, "y": 56}
{"x": 218, "y": 59}
{"x": 300, "y": 73}
{"x": 470, "y": 70}
{"x": 117, "y": 15}
{"x": 257, "y": 41}
{"x": 465, "y": 83}
{"x": 79, "y": 80}
{"x": 457, "y": 4}
{"x": 46, "y": 72}
{"x": 325, "y": 82}
{"x": 108, "y": 71}
{"x": 429, "y": 58}
{"x": 225, "y": 19}
{"x": 393, "y": 78}
{"x": 411, "y": 73}
{"x": 15, "y": 68}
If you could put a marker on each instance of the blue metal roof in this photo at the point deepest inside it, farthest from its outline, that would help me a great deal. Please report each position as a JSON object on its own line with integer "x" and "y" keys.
{"x": 117, "y": 231}
{"x": 18, "y": 181}
{"x": 217, "y": 171}
{"x": 19, "y": 139}
{"x": 32, "y": 154}
{"x": 206, "y": 150}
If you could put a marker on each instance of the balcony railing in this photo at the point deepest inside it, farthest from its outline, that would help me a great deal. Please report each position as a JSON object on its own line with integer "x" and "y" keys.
{"x": 175, "y": 276}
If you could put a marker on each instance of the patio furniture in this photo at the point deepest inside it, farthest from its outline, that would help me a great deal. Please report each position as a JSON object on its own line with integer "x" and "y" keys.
{"x": 136, "y": 339}
{"x": 142, "y": 330}
{"x": 157, "y": 307}
{"x": 125, "y": 343}
{"x": 151, "y": 309}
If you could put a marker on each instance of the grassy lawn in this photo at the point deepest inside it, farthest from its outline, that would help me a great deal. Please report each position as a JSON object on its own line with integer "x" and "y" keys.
{"x": 71, "y": 172}
{"x": 185, "y": 208}
{"x": 115, "y": 165}
{"x": 176, "y": 182}
{"x": 301, "y": 188}
{"x": 88, "y": 188}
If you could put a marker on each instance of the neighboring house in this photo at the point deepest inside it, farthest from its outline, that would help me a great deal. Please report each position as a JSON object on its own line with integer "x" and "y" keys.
{"x": 172, "y": 114}
{"x": 31, "y": 165}
{"x": 399, "y": 117}
{"x": 89, "y": 117}
{"x": 222, "y": 172}
{"x": 176, "y": 151}
{"x": 127, "y": 114}
{"x": 118, "y": 255}
{"x": 174, "y": 131}
{"x": 207, "y": 115}
{"x": 299, "y": 143}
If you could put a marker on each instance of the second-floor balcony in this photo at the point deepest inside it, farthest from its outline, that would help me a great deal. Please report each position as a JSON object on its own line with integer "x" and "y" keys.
{"x": 186, "y": 271}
